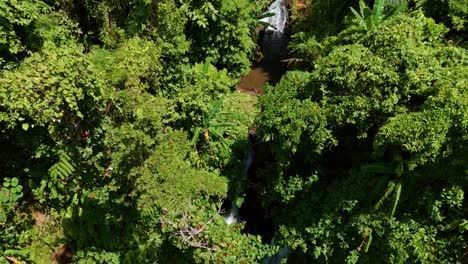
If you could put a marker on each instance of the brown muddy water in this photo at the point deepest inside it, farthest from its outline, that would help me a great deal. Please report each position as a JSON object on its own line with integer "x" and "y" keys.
{"x": 261, "y": 74}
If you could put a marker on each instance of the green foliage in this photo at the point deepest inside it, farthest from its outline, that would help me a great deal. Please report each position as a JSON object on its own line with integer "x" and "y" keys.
{"x": 458, "y": 13}
{"x": 397, "y": 198}
{"x": 172, "y": 195}
{"x": 14, "y": 231}
{"x": 97, "y": 102}
{"x": 11, "y": 191}
{"x": 222, "y": 32}
{"x": 54, "y": 29}
{"x": 200, "y": 84}
{"x": 62, "y": 169}
{"x": 325, "y": 18}
{"x": 390, "y": 188}
{"x": 453, "y": 196}
{"x": 14, "y": 16}
{"x": 133, "y": 65}
{"x": 48, "y": 238}
{"x": 121, "y": 135}
{"x": 59, "y": 176}
{"x": 216, "y": 128}
{"x": 47, "y": 89}
{"x": 370, "y": 19}
{"x": 292, "y": 118}
{"x": 420, "y": 134}
{"x": 453, "y": 13}
{"x": 383, "y": 137}
{"x": 161, "y": 181}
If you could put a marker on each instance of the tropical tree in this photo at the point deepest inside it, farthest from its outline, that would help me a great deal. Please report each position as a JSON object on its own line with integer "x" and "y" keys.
{"x": 362, "y": 137}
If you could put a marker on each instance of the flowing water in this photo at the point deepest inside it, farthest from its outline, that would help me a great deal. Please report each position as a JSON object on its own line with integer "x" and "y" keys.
{"x": 270, "y": 69}
{"x": 278, "y": 257}
{"x": 232, "y": 216}
{"x": 273, "y": 40}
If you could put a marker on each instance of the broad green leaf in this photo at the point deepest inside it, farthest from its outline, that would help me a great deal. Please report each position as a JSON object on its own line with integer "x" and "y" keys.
{"x": 14, "y": 181}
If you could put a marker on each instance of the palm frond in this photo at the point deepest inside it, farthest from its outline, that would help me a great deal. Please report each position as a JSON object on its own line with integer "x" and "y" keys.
{"x": 196, "y": 135}
{"x": 400, "y": 8}
{"x": 370, "y": 19}
{"x": 377, "y": 9}
{"x": 215, "y": 132}
{"x": 358, "y": 16}
{"x": 224, "y": 124}
{"x": 391, "y": 187}
{"x": 379, "y": 167}
{"x": 397, "y": 198}
{"x": 369, "y": 241}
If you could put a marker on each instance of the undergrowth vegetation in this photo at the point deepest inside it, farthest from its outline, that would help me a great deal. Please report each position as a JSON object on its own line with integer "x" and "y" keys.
{"x": 121, "y": 130}
{"x": 123, "y": 137}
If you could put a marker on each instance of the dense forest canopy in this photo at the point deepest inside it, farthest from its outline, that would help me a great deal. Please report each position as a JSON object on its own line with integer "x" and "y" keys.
{"x": 124, "y": 138}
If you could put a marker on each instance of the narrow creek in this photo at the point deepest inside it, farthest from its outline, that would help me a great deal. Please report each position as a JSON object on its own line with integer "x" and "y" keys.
{"x": 273, "y": 42}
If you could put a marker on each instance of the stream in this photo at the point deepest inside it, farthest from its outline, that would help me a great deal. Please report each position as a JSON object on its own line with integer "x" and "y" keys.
{"x": 273, "y": 42}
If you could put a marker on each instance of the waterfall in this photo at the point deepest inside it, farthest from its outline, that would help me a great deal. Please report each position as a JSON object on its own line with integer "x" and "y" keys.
{"x": 232, "y": 215}
{"x": 273, "y": 43}
{"x": 279, "y": 21}
{"x": 278, "y": 257}
{"x": 249, "y": 160}
{"x": 274, "y": 47}
{"x": 274, "y": 39}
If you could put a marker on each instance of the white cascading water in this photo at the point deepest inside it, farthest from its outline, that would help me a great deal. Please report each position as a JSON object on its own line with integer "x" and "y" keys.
{"x": 278, "y": 257}
{"x": 279, "y": 21}
{"x": 249, "y": 160}
{"x": 274, "y": 40}
{"x": 232, "y": 216}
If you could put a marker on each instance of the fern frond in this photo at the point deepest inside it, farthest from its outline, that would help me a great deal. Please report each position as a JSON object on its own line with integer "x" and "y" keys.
{"x": 62, "y": 173}
{"x": 62, "y": 169}
{"x": 149, "y": 211}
